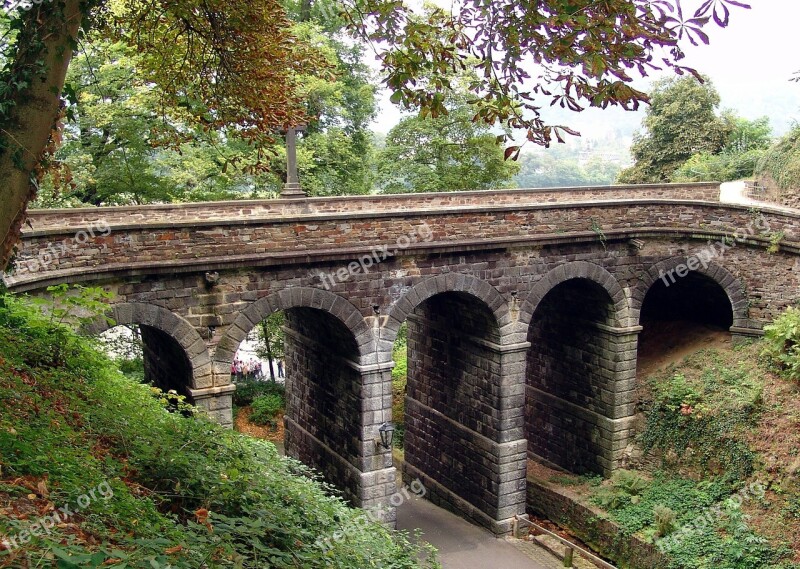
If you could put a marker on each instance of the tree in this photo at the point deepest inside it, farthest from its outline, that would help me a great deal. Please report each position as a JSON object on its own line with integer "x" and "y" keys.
{"x": 118, "y": 149}
{"x": 680, "y": 122}
{"x": 561, "y": 167}
{"x": 780, "y": 166}
{"x": 225, "y": 64}
{"x": 270, "y": 339}
{"x": 233, "y": 64}
{"x": 746, "y": 145}
{"x": 449, "y": 152}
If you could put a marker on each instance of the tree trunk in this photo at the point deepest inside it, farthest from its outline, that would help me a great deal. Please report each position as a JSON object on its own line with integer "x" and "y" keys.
{"x": 49, "y": 36}
{"x": 268, "y": 344}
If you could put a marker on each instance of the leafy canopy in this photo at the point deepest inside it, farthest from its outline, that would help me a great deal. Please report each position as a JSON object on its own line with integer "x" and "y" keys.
{"x": 680, "y": 122}
{"x": 573, "y": 53}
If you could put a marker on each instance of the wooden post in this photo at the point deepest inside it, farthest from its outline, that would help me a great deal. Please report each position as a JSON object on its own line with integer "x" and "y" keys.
{"x": 568, "y": 557}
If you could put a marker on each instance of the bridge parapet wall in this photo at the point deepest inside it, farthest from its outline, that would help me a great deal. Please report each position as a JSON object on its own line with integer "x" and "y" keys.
{"x": 55, "y": 256}
{"x": 42, "y": 220}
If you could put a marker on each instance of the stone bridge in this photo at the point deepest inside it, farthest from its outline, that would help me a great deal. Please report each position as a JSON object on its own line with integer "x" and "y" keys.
{"x": 524, "y": 312}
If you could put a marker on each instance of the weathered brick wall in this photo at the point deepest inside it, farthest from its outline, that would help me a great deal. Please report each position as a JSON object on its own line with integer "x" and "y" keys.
{"x": 452, "y": 403}
{"x": 323, "y": 410}
{"x": 346, "y": 237}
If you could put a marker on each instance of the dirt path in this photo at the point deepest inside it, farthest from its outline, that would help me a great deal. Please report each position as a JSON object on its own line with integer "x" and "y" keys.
{"x": 664, "y": 343}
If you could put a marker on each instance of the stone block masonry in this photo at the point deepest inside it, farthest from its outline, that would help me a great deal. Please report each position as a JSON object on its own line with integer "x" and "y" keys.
{"x": 525, "y": 310}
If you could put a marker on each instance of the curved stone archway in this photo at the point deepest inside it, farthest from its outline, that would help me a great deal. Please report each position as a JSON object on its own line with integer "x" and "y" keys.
{"x": 580, "y": 368}
{"x": 429, "y": 287}
{"x": 293, "y": 297}
{"x": 577, "y": 270}
{"x": 173, "y": 325}
{"x": 671, "y": 269}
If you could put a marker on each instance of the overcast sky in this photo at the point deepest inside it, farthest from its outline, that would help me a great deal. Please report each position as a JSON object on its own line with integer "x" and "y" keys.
{"x": 750, "y": 63}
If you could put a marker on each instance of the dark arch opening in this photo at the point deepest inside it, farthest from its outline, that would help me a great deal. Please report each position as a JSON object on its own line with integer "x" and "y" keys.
{"x": 570, "y": 373}
{"x": 681, "y": 316}
{"x": 323, "y": 396}
{"x": 166, "y": 364}
{"x": 147, "y": 354}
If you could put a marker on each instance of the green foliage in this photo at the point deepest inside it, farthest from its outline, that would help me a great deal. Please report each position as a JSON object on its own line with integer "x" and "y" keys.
{"x": 625, "y": 486}
{"x": 247, "y": 390}
{"x": 120, "y": 150}
{"x": 746, "y": 145}
{"x": 782, "y": 344}
{"x": 444, "y": 153}
{"x": 665, "y": 520}
{"x": 133, "y": 369}
{"x": 781, "y": 162}
{"x": 266, "y": 408}
{"x": 186, "y": 492}
{"x": 725, "y": 542}
{"x": 680, "y": 122}
{"x": 702, "y": 420}
{"x": 562, "y": 166}
{"x": 399, "y": 382}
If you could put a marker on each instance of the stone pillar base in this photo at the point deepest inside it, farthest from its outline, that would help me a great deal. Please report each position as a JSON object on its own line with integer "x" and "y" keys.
{"x": 216, "y": 403}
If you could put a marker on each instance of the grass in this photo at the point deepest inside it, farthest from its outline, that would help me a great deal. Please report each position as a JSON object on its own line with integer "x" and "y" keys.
{"x": 163, "y": 490}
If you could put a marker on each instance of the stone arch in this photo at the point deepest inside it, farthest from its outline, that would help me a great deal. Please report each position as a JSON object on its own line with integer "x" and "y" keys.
{"x": 173, "y": 325}
{"x": 450, "y": 282}
{"x": 293, "y": 297}
{"x": 728, "y": 283}
{"x": 579, "y": 368}
{"x": 577, "y": 270}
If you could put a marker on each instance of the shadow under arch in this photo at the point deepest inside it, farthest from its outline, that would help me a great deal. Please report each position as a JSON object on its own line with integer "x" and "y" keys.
{"x": 174, "y": 344}
{"x": 666, "y": 271}
{"x": 452, "y": 282}
{"x": 577, "y": 270}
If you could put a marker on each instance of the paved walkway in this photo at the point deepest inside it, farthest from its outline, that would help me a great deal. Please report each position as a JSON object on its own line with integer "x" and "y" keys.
{"x": 462, "y": 545}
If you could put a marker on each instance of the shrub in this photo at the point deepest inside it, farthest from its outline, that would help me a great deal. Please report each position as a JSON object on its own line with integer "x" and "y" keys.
{"x": 248, "y": 390}
{"x": 265, "y": 408}
{"x": 782, "y": 343}
{"x": 665, "y": 520}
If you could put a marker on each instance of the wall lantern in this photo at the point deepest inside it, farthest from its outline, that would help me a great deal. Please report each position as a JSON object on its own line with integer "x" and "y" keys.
{"x": 386, "y": 432}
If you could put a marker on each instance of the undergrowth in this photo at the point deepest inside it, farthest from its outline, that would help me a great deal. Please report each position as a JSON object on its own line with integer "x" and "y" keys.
{"x": 688, "y": 497}
{"x": 399, "y": 382}
{"x": 167, "y": 490}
